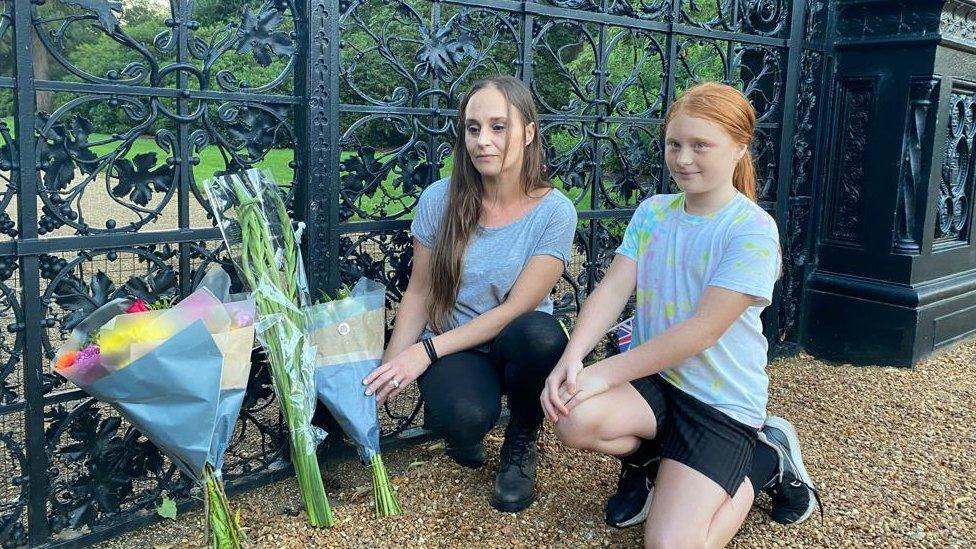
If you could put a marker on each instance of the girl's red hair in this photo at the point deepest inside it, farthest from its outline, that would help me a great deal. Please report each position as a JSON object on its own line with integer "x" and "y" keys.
{"x": 727, "y": 107}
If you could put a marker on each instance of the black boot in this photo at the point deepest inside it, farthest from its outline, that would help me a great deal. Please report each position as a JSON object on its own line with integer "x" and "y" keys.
{"x": 515, "y": 483}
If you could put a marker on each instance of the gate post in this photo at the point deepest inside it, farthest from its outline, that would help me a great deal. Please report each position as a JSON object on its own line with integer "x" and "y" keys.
{"x": 896, "y": 273}
{"x": 316, "y": 196}
{"x": 27, "y": 177}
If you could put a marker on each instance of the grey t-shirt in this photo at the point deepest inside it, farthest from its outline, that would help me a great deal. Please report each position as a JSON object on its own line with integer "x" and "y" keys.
{"x": 496, "y": 256}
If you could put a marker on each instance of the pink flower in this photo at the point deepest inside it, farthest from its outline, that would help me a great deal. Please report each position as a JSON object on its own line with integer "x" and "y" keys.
{"x": 243, "y": 319}
{"x": 88, "y": 357}
{"x": 138, "y": 307}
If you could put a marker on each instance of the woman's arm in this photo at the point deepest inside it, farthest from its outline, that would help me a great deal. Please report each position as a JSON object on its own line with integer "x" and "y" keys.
{"x": 602, "y": 308}
{"x": 717, "y": 310}
{"x": 411, "y": 316}
{"x": 536, "y": 280}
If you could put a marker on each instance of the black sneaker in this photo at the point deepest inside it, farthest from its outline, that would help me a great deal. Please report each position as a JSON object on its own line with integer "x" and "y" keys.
{"x": 791, "y": 489}
{"x": 472, "y": 456}
{"x": 635, "y": 490}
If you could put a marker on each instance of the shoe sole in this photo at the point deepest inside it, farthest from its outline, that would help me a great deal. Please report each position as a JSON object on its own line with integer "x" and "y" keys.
{"x": 512, "y": 507}
{"x": 639, "y": 517}
{"x": 797, "y": 457}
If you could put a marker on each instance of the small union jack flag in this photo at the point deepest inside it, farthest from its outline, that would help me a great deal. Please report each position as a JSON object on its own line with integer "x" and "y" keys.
{"x": 624, "y": 334}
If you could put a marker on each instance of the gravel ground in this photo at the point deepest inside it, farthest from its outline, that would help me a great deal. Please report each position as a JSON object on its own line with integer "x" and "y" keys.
{"x": 891, "y": 449}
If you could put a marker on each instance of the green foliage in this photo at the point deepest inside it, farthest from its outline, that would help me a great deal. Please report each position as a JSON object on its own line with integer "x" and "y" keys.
{"x": 6, "y": 104}
{"x": 167, "y": 508}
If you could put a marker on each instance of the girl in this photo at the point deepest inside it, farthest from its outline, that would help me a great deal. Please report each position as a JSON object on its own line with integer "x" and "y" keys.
{"x": 490, "y": 244}
{"x": 703, "y": 264}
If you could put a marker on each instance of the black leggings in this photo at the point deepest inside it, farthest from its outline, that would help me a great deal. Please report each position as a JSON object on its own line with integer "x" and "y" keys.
{"x": 462, "y": 392}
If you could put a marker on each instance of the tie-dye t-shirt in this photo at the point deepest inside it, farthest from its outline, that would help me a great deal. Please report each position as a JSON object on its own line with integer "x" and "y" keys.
{"x": 678, "y": 255}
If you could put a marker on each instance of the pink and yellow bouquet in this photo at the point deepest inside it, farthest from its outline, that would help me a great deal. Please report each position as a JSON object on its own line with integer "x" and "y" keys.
{"x": 178, "y": 375}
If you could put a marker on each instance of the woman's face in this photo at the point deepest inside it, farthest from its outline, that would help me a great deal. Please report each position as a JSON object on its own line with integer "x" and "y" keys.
{"x": 494, "y": 134}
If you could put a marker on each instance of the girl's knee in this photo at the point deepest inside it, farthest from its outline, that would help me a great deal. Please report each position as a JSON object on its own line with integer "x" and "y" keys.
{"x": 577, "y": 430}
{"x": 671, "y": 538}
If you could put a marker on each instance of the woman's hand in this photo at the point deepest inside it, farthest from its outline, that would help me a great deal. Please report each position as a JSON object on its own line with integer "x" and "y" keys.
{"x": 560, "y": 386}
{"x": 391, "y": 377}
{"x": 589, "y": 383}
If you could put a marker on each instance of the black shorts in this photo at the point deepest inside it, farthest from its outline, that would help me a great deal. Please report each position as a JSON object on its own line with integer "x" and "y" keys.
{"x": 698, "y": 435}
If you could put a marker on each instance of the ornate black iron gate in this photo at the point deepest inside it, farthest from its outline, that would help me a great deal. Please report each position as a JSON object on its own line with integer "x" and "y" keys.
{"x": 110, "y": 115}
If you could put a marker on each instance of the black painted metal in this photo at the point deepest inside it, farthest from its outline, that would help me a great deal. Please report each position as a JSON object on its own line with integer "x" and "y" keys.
{"x": 365, "y": 93}
{"x": 895, "y": 259}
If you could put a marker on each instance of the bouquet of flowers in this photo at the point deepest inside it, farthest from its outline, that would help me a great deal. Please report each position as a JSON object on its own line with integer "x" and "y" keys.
{"x": 178, "y": 375}
{"x": 348, "y": 338}
{"x": 258, "y": 232}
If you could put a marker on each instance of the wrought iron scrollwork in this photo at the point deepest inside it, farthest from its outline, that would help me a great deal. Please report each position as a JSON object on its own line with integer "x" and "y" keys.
{"x": 565, "y": 55}
{"x": 759, "y": 17}
{"x": 100, "y": 467}
{"x": 185, "y": 94}
{"x": 958, "y": 172}
{"x": 632, "y": 160}
{"x": 13, "y": 532}
{"x": 8, "y": 156}
{"x": 11, "y": 339}
{"x": 640, "y": 90}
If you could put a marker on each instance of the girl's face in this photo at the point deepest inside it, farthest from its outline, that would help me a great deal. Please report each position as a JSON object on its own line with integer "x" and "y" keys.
{"x": 494, "y": 134}
{"x": 700, "y": 155}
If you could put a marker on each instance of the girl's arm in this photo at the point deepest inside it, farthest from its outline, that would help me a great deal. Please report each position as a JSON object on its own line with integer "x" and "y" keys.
{"x": 717, "y": 310}
{"x": 599, "y": 312}
{"x": 602, "y": 308}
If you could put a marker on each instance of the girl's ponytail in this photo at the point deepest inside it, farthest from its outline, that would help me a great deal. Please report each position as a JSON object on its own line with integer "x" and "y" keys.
{"x": 744, "y": 176}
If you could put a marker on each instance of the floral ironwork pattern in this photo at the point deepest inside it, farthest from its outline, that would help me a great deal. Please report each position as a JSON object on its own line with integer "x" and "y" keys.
{"x": 958, "y": 173}
{"x": 354, "y": 126}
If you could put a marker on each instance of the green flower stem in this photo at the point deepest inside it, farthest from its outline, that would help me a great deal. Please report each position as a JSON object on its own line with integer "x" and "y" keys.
{"x": 383, "y": 494}
{"x": 225, "y": 528}
{"x": 276, "y": 295}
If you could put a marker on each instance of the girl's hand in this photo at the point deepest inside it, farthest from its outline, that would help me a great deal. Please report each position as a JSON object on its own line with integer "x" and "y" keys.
{"x": 560, "y": 385}
{"x": 589, "y": 384}
{"x": 392, "y": 377}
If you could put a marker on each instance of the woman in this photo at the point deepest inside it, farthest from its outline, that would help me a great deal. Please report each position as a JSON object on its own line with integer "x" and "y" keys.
{"x": 475, "y": 322}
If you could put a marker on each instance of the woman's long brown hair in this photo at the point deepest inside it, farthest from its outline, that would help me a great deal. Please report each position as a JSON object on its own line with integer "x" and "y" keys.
{"x": 463, "y": 209}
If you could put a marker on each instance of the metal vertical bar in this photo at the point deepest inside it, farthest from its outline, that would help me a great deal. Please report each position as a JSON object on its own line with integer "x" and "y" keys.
{"x": 183, "y": 13}
{"x": 435, "y": 97}
{"x": 669, "y": 84}
{"x": 818, "y": 182}
{"x": 528, "y": 73}
{"x": 785, "y": 160}
{"x": 597, "y": 169}
{"x": 315, "y": 163}
{"x": 303, "y": 136}
{"x": 25, "y": 104}
{"x": 331, "y": 132}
